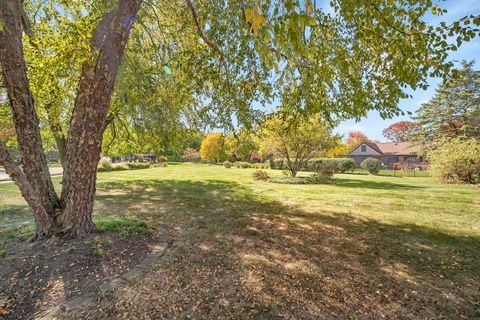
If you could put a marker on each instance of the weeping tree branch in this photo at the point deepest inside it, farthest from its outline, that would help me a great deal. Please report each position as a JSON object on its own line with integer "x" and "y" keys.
{"x": 209, "y": 42}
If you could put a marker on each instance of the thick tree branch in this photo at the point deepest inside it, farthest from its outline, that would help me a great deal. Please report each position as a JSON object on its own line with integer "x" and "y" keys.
{"x": 209, "y": 42}
{"x": 25, "y": 118}
{"x": 89, "y": 116}
{"x": 43, "y": 221}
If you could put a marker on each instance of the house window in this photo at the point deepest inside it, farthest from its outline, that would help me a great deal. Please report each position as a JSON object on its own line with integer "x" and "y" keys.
{"x": 363, "y": 148}
{"x": 412, "y": 159}
{"x": 391, "y": 159}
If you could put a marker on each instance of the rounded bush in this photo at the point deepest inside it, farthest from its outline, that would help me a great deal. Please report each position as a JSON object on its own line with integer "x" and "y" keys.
{"x": 227, "y": 164}
{"x": 372, "y": 165}
{"x": 260, "y": 175}
{"x": 119, "y": 167}
{"x": 242, "y": 164}
{"x": 138, "y": 165}
{"x": 339, "y": 165}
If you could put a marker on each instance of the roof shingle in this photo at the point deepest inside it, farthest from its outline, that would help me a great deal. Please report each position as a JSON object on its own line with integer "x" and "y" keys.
{"x": 397, "y": 148}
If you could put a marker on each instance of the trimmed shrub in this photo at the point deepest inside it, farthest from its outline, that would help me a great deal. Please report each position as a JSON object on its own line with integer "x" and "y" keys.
{"x": 119, "y": 167}
{"x": 372, "y": 165}
{"x": 138, "y": 165}
{"x": 338, "y": 165}
{"x": 265, "y": 165}
{"x": 345, "y": 165}
{"x": 105, "y": 164}
{"x": 457, "y": 161}
{"x": 247, "y": 165}
{"x": 260, "y": 175}
{"x": 227, "y": 164}
{"x": 160, "y": 165}
{"x": 242, "y": 164}
{"x": 278, "y": 164}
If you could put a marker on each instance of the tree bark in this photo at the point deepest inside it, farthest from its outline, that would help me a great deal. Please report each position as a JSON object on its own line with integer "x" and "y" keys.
{"x": 88, "y": 120}
{"x": 42, "y": 221}
{"x": 34, "y": 162}
{"x": 87, "y": 125}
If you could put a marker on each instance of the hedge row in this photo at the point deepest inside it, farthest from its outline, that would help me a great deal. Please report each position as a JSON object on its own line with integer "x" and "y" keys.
{"x": 243, "y": 164}
{"x": 339, "y": 165}
{"x": 120, "y": 167}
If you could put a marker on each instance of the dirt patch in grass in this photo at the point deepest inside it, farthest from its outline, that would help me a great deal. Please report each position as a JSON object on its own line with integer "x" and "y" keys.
{"x": 38, "y": 276}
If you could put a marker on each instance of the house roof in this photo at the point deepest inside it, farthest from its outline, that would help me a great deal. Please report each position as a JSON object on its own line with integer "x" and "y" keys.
{"x": 393, "y": 148}
{"x": 398, "y": 148}
{"x": 373, "y": 145}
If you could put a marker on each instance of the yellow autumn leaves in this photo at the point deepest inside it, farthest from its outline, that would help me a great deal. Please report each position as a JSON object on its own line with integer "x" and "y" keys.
{"x": 254, "y": 18}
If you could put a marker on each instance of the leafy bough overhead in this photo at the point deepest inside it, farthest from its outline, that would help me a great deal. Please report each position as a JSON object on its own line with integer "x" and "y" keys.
{"x": 60, "y": 61}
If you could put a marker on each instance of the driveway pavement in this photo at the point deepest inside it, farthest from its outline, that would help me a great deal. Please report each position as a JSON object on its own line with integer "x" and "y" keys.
{"x": 53, "y": 171}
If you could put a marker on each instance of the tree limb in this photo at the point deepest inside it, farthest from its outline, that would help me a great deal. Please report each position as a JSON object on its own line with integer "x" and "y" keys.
{"x": 43, "y": 221}
{"x": 89, "y": 117}
{"x": 210, "y": 43}
{"x": 14, "y": 74}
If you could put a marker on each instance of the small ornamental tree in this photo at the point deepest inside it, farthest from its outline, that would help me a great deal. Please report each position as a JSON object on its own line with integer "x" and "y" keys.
{"x": 372, "y": 165}
{"x": 402, "y": 131}
{"x": 242, "y": 144}
{"x": 456, "y": 161}
{"x": 296, "y": 140}
{"x": 213, "y": 148}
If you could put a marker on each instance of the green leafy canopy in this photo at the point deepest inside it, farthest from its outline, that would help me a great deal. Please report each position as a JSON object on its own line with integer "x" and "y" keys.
{"x": 191, "y": 64}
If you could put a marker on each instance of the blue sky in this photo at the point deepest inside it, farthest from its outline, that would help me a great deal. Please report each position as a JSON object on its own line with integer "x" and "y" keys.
{"x": 373, "y": 124}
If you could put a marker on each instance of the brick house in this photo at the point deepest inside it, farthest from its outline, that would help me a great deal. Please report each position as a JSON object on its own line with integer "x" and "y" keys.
{"x": 393, "y": 155}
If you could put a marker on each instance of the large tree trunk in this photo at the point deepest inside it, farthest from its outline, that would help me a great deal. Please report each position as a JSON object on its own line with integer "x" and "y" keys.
{"x": 83, "y": 145}
{"x": 34, "y": 162}
{"x": 89, "y": 118}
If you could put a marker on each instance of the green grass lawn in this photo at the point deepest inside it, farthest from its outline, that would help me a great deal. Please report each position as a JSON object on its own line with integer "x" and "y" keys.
{"x": 396, "y": 173}
{"x": 366, "y": 246}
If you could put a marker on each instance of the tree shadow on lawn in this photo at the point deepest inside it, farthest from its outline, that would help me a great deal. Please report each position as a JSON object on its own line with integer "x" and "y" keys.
{"x": 237, "y": 254}
{"x": 370, "y": 184}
